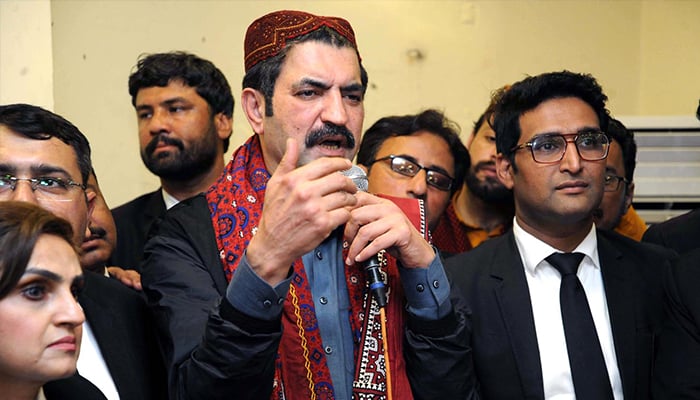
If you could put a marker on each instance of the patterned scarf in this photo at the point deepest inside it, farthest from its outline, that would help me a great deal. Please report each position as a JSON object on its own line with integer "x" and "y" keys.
{"x": 451, "y": 234}
{"x": 235, "y": 203}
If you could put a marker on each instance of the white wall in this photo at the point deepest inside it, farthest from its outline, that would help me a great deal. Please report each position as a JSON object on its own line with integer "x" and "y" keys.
{"x": 644, "y": 53}
{"x": 26, "y": 61}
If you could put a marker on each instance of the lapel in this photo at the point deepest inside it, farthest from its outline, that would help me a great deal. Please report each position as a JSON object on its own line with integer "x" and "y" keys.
{"x": 153, "y": 212}
{"x": 75, "y": 388}
{"x": 513, "y": 299}
{"x": 620, "y": 297}
{"x": 101, "y": 311}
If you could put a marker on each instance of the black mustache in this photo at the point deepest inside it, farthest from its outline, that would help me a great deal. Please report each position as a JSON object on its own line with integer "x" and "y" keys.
{"x": 151, "y": 147}
{"x": 483, "y": 165}
{"x": 97, "y": 231}
{"x": 329, "y": 130}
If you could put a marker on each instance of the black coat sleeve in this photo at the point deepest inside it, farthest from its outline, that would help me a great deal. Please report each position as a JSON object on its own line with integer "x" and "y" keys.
{"x": 212, "y": 351}
{"x": 677, "y": 367}
{"x": 438, "y": 355}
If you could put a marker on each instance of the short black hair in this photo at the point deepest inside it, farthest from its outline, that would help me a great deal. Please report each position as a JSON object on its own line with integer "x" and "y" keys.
{"x": 162, "y": 68}
{"x": 40, "y": 124}
{"x": 625, "y": 138}
{"x": 488, "y": 113}
{"x": 430, "y": 120}
{"x": 532, "y": 91}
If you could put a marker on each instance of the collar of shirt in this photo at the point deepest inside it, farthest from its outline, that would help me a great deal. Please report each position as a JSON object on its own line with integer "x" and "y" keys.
{"x": 533, "y": 251}
{"x": 169, "y": 200}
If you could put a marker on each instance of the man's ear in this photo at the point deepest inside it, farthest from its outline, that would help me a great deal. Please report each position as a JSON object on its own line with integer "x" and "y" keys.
{"x": 504, "y": 170}
{"x": 90, "y": 197}
{"x": 253, "y": 103}
{"x": 629, "y": 196}
{"x": 224, "y": 125}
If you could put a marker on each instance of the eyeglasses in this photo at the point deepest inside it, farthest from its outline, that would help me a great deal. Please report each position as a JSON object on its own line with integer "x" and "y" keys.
{"x": 612, "y": 182}
{"x": 45, "y": 187}
{"x": 406, "y": 167}
{"x": 549, "y": 148}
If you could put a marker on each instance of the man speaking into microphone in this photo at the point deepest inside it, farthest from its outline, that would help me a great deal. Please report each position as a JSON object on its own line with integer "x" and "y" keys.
{"x": 258, "y": 285}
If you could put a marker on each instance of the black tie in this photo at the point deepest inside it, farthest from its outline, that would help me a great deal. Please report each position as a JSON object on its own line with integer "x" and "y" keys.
{"x": 591, "y": 381}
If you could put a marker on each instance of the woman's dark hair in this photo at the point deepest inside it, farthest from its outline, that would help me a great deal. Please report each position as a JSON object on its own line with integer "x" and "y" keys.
{"x": 21, "y": 225}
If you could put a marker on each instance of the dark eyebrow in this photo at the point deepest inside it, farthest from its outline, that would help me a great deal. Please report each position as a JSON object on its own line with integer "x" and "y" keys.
{"x": 43, "y": 170}
{"x": 170, "y": 102}
{"x": 610, "y": 170}
{"x": 78, "y": 280}
{"x": 585, "y": 129}
{"x": 167, "y": 102}
{"x": 143, "y": 107}
{"x": 353, "y": 87}
{"x": 8, "y": 169}
{"x": 312, "y": 82}
{"x": 52, "y": 276}
{"x": 36, "y": 170}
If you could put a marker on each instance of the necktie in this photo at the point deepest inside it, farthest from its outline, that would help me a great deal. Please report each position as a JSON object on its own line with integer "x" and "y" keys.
{"x": 590, "y": 376}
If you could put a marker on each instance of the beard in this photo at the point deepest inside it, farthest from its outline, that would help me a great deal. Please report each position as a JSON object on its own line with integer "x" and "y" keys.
{"x": 182, "y": 164}
{"x": 603, "y": 222}
{"x": 491, "y": 190}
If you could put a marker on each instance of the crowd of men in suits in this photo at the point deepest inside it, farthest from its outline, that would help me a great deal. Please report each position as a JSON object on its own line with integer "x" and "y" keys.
{"x": 554, "y": 303}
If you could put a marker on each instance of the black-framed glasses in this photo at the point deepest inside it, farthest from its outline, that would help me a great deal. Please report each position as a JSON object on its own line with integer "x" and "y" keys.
{"x": 612, "y": 182}
{"x": 45, "y": 187}
{"x": 549, "y": 148}
{"x": 407, "y": 167}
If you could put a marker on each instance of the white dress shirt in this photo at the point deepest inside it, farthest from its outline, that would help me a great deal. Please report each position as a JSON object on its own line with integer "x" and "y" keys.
{"x": 169, "y": 200}
{"x": 543, "y": 282}
{"x": 92, "y": 366}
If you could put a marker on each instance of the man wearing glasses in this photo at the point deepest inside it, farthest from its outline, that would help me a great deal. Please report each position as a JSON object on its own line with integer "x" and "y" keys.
{"x": 482, "y": 208}
{"x": 559, "y": 309}
{"x": 616, "y": 211}
{"x": 417, "y": 156}
{"x": 45, "y": 160}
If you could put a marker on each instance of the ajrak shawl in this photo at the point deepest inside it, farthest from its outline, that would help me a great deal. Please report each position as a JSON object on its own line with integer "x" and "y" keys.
{"x": 235, "y": 202}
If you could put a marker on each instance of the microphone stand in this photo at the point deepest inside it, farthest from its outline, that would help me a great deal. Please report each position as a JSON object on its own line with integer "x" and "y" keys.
{"x": 378, "y": 291}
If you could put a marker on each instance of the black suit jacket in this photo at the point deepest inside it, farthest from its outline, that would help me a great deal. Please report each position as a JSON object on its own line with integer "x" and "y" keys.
{"x": 677, "y": 369}
{"x": 124, "y": 331}
{"x": 506, "y": 355}
{"x": 134, "y": 221}
{"x": 679, "y": 233}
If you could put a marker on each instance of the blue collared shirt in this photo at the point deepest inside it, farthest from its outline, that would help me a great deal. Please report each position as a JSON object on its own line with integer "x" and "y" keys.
{"x": 427, "y": 293}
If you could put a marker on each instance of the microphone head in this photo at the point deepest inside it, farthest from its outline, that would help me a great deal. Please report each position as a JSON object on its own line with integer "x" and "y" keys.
{"x": 358, "y": 176}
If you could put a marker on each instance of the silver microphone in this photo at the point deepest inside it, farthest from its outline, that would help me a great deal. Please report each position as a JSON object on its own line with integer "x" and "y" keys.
{"x": 374, "y": 277}
{"x": 358, "y": 176}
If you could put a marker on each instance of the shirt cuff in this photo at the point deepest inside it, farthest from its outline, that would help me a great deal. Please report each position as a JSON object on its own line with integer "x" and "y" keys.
{"x": 427, "y": 290}
{"x": 251, "y": 295}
